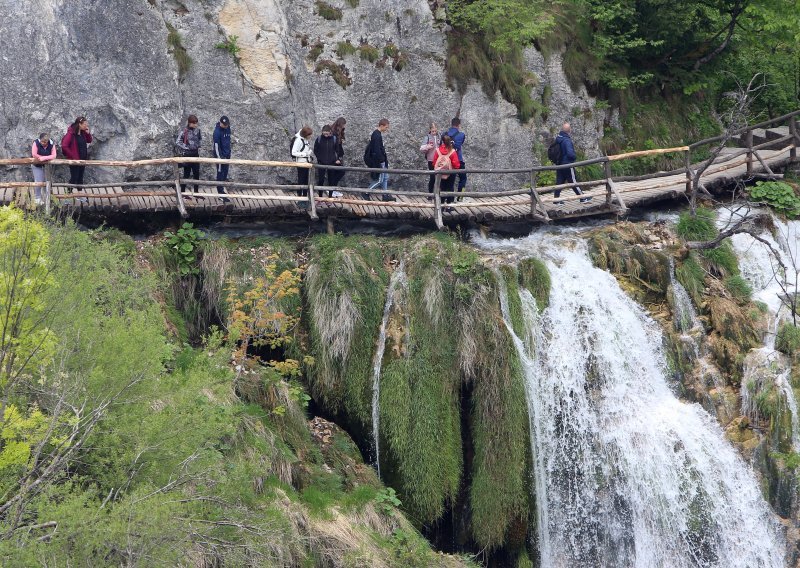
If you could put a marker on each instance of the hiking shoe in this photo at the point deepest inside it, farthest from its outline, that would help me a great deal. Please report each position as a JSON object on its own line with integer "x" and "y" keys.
{"x": 389, "y": 198}
{"x": 365, "y": 196}
{"x": 225, "y": 200}
{"x": 585, "y": 199}
{"x": 558, "y": 203}
{"x": 38, "y": 201}
{"x": 83, "y": 200}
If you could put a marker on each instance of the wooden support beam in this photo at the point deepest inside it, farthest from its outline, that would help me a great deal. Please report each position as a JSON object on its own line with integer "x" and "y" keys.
{"x": 48, "y": 189}
{"x": 176, "y": 173}
{"x": 437, "y": 203}
{"x": 749, "y": 144}
{"x": 796, "y": 136}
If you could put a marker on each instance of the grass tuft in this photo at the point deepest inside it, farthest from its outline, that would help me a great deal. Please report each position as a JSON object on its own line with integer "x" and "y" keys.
{"x": 182, "y": 58}
{"x": 339, "y": 73}
{"x": 788, "y": 340}
{"x": 328, "y": 12}
{"x": 345, "y": 48}
{"x": 698, "y": 227}
{"x": 369, "y": 52}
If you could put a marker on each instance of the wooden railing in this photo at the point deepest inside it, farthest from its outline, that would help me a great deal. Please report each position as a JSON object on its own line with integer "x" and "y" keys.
{"x": 435, "y": 199}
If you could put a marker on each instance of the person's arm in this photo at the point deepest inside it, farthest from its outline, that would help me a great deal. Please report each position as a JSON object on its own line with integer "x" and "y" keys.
{"x": 316, "y": 148}
{"x": 217, "y": 142}
{"x": 179, "y": 141}
{"x": 297, "y": 147}
{"x": 66, "y": 145}
{"x": 570, "y": 149}
{"x": 50, "y": 156}
{"x": 382, "y": 150}
{"x": 88, "y": 136}
{"x": 454, "y": 160}
{"x": 35, "y": 154}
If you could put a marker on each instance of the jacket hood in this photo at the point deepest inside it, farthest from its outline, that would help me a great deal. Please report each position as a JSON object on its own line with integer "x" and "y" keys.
{"x": 564, "y": 134}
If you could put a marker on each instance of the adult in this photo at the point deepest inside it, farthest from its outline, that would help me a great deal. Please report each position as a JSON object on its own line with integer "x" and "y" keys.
{"x": 43, "y": 150}
{"x": 222, "y": 151}
{"x": 428, "y": 148}
{"x": 458, "y": 137}
{"x": 325, "y": 153}
{"x": 302, "y": 152}
{"x": 75, "y": 146}
{"x": 188, "y": 142}
{"x": 568, "y": 156}
{"x": 337, "y": 131}
{"x": 375, "y": 157}
{"x": 445, "y": 159}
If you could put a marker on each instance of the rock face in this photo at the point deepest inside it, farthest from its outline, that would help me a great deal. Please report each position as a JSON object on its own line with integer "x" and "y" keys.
{"x": 112, "y": 62}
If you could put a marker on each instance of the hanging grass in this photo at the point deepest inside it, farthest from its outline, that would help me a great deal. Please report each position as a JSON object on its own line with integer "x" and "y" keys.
{"x": 534, "y": 276}
{"x": 698, "y": 227}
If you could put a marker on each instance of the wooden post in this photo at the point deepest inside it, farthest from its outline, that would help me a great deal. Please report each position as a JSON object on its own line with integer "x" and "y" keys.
{"x": 793, "y": 131}
{"x": 749, "y": 142}
{"x": 688, "y": 171}
{"x": 312, "y": 207}
{"x": 48, "y": 189}
{"x": 607, "y": 169}
{"x": 437, "y": 203}
{"x": 330, "y": 225}
{"x": 536, "y": 199}
{"x": 176, "y": 172}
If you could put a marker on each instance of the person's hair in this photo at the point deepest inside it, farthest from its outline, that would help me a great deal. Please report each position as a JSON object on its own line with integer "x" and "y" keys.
{"x": 432, "y": 126}
{"x": 456, "y": 122}
{"x": 306, "y": 131}
{"x": 326, "y": 128}
{"x": 338, "y": 128}
{"x": 447, "y": 141}
{"x": 192, "y": 118}
{"x": 43, "y": 135}
{"x": 383, "y": 122}
{"x": 76, "y": 126}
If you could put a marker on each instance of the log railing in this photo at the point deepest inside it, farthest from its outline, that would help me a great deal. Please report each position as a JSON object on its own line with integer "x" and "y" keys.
{"x": 614, "y": 196}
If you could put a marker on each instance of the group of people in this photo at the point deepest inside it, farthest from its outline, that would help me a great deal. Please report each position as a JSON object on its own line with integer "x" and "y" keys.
{"x": 442, "y": 152}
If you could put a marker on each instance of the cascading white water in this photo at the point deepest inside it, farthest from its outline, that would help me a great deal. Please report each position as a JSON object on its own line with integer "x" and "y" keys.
{"x": 685, "y": 316}
{"x": 397, "y": 278}
{"x": 625, "y": 473}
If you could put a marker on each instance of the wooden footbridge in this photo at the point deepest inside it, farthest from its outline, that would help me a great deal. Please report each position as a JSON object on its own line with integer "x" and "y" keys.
{"x": 755, "y": 152}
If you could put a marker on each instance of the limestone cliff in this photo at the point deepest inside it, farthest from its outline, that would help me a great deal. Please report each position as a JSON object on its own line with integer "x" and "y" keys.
{"x": 116, "y": 62}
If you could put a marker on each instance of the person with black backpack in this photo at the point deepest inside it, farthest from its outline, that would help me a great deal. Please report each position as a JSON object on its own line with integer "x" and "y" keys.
{"x": 562, "y": 151}
{"x": 326, "y": 150}
{"x": 187, "y": 145}
{"x": 301, "y": 153}
{"x": 375, "y": 157}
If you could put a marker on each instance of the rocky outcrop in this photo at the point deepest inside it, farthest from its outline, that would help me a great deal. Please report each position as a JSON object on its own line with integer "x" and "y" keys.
{"x": 287, "y": 66}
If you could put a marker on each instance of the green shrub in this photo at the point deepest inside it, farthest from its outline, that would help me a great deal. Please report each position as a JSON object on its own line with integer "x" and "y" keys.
{"x": 328, "y": 12}
{"x": 231, "y": 45}
{"x": 339, "y": 73}
{"x": 184, "y": 245}
{"x": 788, "y": 339}
{"x": 369, "y": 52}
{"x": 391, "y": 50}
{"x": 353, "y": 3}
{"x": 779, "y": 195}
{"x": 691, "y": 274}
{"x": 345, "y": 48}
{"x": 721, "y": 261}
{"x": 739, "y": 288}
{"x": 697, "y": 227}
{"x": 316, "y": 50}
{"x": 534, "y": 276}
{"x": 182, "y": 59}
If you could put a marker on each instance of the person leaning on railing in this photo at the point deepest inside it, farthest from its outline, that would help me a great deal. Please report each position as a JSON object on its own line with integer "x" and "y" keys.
{"x": 75, "y": 146}
{"x": 43, "y": 150}
{"x": 187, "y": 145}
{"x": 302, "y": 152}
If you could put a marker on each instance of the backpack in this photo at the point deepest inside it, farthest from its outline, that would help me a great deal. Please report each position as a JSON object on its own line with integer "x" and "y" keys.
{"x": 291, "y": 146}
{"x": 554, "y": 151}
{"x": 368, "y": 155}
{"x": 443, "y": 163}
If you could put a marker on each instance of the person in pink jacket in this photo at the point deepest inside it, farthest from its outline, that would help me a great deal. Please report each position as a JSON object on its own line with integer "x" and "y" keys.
{"x": 75, "y": 146}
{"x": 43, "y": 150}
{"x": 445, "y": 160}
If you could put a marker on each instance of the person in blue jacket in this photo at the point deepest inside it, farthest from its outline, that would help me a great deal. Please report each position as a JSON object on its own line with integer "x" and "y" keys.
{"x": 458, "y": 137}
{"x": 222, "y": 151}
{"x": 568, "y": 156}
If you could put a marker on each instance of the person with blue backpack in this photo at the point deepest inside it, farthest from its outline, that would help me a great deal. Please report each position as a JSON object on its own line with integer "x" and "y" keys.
{"x": 328, "y": 153}
{"x": 459, "y": 138}
{"x": 561, "y": 152}
{"x": 222, "y": 151}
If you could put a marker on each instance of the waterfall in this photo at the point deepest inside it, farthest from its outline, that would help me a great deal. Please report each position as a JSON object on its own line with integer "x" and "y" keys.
{"x": 398, "y": 277}
{"x": 625, "y": 473}
{"x": 685, "y": 319}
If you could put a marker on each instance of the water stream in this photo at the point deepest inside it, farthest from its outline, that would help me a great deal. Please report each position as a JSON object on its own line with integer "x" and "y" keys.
{"x": 625, "y": 474}
{"x": 397, "y": 279}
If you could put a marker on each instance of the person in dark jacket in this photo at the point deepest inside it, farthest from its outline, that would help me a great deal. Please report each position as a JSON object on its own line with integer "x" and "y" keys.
{"x": 188, "y": 142}
{"x": 75, "y": 146}
{"x": 458, "y": 137}
{"x": 325, "y": 150}
{"x": 568, "y": 156}
{"x": 222, "y": 151}
{"x": 337, "y": 130}
{"x": 376, "y": 153}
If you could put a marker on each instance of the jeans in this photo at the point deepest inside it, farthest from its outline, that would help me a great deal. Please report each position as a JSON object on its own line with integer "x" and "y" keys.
{"x": 567, "y": 175}
{"x": 462, "y": 178}
{"x": 38, "y": 177}
{"x": 383, "y": 179}
{"x": 222, "y": 175}
{"x": 76, "y": 175}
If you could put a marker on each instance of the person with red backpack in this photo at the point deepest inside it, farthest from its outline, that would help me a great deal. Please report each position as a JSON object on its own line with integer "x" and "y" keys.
{"x": 187, "y": 145}
{"x": 445, "y": 159}
{"x": 75, "y": 146}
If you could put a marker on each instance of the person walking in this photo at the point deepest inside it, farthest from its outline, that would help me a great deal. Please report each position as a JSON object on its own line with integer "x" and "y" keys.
{"x": 325, "y": 152}
{"x": 75, "y": 146}
{"x": 43, "y": 150}
{"x": 188, "y": 143}
{"x": 429, "y": 145}
{"x": 459, "y": 138}
{"x": 222, "y": 151}
{"x": 302, "y": 152}
{"x": 375, "y": 157}
{"x": 568, "y": 156}
{"x": 337, "y": 131}
{"x": 445, "y": 159}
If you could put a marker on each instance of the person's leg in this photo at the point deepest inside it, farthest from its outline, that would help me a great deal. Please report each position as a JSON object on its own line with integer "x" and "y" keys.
{"x": 38, "y": 177}
{"x": 302, "y": 181}
{"x": 81, "y": 171}
{"x": 573, "y": 179}
{"x": 562, "y": 176}
{"x": 222, "y": 175}
{"x": 431, "y": 179}
{"x": 73, "y": 177}
{"x": 187, "y": 170}
{"x": 462, "y": 178}
{"x": 196, "y": 175}
{"x": 379, "y": 179}
{"x": 448, "y": 185}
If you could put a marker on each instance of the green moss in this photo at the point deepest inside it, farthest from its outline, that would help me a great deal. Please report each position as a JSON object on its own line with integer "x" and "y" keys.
{"x": 328, "y": 12}
{"x": 369, "y": 52}
{"x": 691, "y": 274}
{"x": 345, "y": 48}
{"x": 738, "y": 288}
{"x": 788, "y": 339}
{"x": 536, "y": 278}
{"x": 698, "y": 227}
{"x": 721, "y": 261}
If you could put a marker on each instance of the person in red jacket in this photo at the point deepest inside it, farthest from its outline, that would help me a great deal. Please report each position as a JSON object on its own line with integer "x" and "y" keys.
{"x": 446, "y": 153}
{"x": 75, "y": 146}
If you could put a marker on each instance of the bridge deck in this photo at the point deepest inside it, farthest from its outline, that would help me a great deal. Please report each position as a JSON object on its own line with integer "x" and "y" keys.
{"x": 352, "y": 205}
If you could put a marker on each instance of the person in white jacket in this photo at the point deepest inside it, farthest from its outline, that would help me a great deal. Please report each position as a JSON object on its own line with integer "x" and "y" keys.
{"x": 302, "y": 152}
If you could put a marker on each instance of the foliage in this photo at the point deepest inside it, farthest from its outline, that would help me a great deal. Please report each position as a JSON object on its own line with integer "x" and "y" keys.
{"x": 339, "y": 73}
{"x": 368, "y": 52}
{"x": 186, "y": 245}
{"x": 345, "y": 48}
{"x": 328, "y": 12}
{"x": 353, "y": 3}
{"x": 507, "y": 23}
{"x": 387, "y": 501}
{"x": 697, "y": 227}
{"x": 779, "y": 195}
{"x": 316, "y": 50}
{"x": 721, "y": 261}
{"x": 535, "y": 276}
{"x": 739, "y": 288}
{"x": 231, "y": 45}
{"x": 691, "y": 274}
{"x": 182, "y": 58}
{"x": 788, "y": 339}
